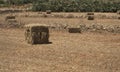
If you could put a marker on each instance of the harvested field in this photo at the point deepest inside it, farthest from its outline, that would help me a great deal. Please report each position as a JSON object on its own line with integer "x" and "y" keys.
{"x": 86, "y": 52}
{"x": 68, "y": 52}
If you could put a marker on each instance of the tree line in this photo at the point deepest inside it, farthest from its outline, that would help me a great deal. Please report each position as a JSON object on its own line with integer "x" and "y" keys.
{"x": 70, "y": 5}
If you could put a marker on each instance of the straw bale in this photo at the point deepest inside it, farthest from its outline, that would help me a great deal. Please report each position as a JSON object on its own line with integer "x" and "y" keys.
{"x": 37, "y": 33}
{"x": 9, "y": 17}
{"x": 90, "y": 17}
{"x": 48, "y": 11}
{"x": 90, "y": 13}
{"x": 74, "y": 30}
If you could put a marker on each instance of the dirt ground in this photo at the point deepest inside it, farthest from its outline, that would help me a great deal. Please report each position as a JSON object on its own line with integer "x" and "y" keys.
{"x": 86, "y": 52}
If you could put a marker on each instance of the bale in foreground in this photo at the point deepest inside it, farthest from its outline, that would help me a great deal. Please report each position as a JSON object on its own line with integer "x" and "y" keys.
{"x": 37, "y": 34}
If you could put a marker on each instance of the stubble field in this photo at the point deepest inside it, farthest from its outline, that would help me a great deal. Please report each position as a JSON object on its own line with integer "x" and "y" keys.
{"x": 85, "y": 52}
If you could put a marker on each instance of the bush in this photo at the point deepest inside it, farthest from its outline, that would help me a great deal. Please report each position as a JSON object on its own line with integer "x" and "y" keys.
{"x": 69, "y": 5}
{"x": 2, "y": 2}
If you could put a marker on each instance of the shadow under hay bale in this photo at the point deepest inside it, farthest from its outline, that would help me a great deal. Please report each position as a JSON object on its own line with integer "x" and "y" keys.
{"x": 74, "y": 30}
{"x": 37, "y": 34}
{"x": 90, "y": 17}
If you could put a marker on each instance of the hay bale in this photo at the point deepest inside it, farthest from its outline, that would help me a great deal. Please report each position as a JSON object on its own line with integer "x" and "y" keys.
{"x": 90, "y": 13}
{"x": 48, "y": 11}
{"x": 74, "y": 30}
{"x": 9, "y": 17}
{"x": 90, "y": 17}
{"x": 37, "y": 33}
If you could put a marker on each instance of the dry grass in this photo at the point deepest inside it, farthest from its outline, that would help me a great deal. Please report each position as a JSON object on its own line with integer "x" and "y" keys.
{"x": 87, "y": 52}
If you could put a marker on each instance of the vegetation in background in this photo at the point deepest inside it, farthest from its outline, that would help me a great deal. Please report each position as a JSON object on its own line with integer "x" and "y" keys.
{"x": 70, "y": 5}
{"x": 76, "y": 6}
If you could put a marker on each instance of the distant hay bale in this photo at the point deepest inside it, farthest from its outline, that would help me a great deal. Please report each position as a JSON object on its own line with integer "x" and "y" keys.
{"x": 9, "y": 17}
{"x": 37, "y": 33}
{"x": 90, "y": 17}
{"x": 48, "y": 11}
{"x": 74, "y": 30}
{"x": 90, "y": 13}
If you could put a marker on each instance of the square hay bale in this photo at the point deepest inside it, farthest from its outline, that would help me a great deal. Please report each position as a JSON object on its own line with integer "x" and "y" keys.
{"x": 37, "y": 34}
{"x": 74, "y": 30}
{"x": 9, "y": 17}
{"x": 48, "y": 11}
{"x": 90, "y": 17}
{"x": 90, "y": 13}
